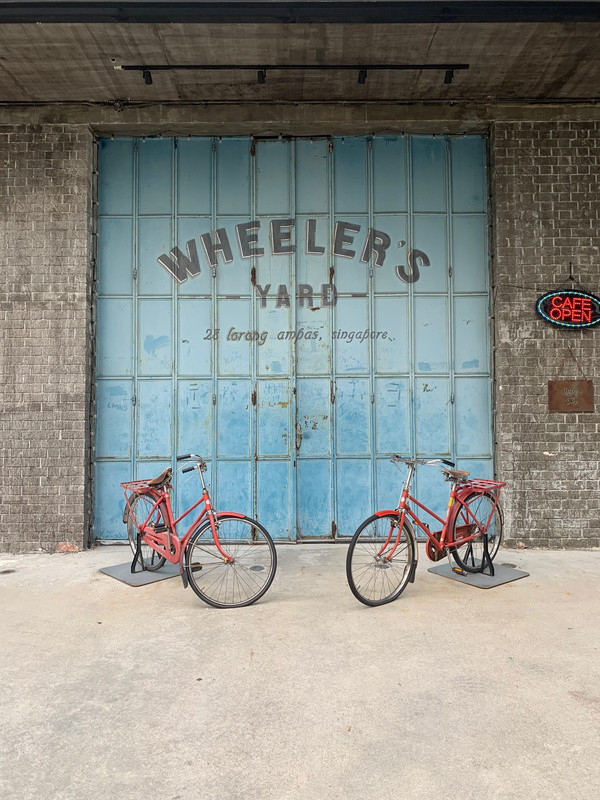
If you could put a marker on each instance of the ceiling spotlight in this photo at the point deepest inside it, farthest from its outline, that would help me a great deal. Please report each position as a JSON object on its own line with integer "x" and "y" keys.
{"x": 147, "y": 77}
{"x": 448, "y": 76}
{"x": 362, "y": 75}
{"x": 261, "y": 75}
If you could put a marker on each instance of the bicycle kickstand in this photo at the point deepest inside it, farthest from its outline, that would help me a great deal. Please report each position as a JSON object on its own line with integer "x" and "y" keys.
{"x": 486, "y": 561}
{"x": 138, "y": 554}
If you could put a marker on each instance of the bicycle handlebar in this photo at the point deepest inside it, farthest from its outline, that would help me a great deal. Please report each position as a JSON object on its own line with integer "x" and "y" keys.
{"x": 201, "y": 462}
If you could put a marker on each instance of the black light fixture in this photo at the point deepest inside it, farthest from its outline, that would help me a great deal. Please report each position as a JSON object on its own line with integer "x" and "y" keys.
{"x": 261, "y": 71}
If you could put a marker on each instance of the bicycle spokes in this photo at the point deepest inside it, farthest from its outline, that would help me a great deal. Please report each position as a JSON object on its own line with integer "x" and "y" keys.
{"x": 478, "y": 514}
{"x": 380, "y": 560}
{"x": 236, "y": 570}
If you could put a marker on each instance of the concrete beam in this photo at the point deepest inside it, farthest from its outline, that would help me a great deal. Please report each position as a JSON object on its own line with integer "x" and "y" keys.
{"x": 298, "y": 119}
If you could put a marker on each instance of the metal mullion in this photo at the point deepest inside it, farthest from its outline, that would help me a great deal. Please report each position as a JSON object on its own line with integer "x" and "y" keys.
{"x": 451, "y": 342}
{"x": 174, "y": 311}
{"x": 293, "y": 276}
{"x": 410, "y": 306}
{"x": 254, "y": 345}
{"x": 135, "y": 296}
{"x": 92, "y": 410}
{"x": 371, "y": 324}
{"x": 333, "y": 349}
{"x": 214, "y": 322}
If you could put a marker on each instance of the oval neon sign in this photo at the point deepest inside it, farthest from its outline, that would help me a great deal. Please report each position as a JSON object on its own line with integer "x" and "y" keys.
{"x": 569, "y": 309}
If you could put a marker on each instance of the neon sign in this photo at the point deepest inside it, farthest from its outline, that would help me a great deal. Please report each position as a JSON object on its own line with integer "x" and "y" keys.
{"x": 570, "y": 309}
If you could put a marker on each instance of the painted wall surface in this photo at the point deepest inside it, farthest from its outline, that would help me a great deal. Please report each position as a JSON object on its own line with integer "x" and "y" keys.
{"x": 295, "y": 311}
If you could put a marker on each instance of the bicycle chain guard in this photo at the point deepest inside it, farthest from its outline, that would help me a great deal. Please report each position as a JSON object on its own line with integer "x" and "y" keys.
{"x": 432, "y": 553}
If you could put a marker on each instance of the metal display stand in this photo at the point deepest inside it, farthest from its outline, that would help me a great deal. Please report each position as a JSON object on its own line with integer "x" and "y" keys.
{"x": 122, "y": 572}
{"x": 480, "y": 579}
{"x": 487, "y": 577}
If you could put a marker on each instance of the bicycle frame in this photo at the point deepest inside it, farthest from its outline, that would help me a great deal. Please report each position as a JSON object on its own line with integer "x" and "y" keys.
{"x": 440, "y": 539}
{"x": 167, "y": 543}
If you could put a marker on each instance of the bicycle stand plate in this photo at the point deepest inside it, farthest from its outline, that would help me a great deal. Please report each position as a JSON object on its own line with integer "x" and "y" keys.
{"x": 479, "y": 579}
{"x": 122, "y": 572}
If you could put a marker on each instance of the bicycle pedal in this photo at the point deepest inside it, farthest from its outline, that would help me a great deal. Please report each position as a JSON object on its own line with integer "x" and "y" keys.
{"x": 458, "y": 571}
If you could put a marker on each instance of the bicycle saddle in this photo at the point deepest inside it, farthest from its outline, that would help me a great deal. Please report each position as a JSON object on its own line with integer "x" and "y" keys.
{"x": 455, "y": 474}
{"x": 162, "y": 479}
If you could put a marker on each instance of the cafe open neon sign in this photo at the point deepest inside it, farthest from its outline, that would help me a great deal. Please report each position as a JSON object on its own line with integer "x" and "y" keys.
{"x": 569, "y": 309}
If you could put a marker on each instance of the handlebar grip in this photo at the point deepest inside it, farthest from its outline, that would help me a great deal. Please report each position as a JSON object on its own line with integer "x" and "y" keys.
{"x": 183, "y": 458}
{"x": 447, "y": 463}
{"x": 188, "y": 469}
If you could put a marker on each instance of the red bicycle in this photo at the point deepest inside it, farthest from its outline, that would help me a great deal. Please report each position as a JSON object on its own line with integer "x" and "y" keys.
{"x": 382, "y": 556}
{"x": 228, "y": 559}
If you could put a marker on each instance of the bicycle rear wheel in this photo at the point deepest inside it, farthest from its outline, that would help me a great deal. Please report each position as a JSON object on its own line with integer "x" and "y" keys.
{"x": 375, "y": 574}
{"x": 140, "y": 507}
{"x": 245, "y": 576}
{"x": 476, "y": 508}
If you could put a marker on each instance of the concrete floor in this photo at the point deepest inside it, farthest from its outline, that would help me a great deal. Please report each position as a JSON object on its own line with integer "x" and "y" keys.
{"x": 109, "y": 691}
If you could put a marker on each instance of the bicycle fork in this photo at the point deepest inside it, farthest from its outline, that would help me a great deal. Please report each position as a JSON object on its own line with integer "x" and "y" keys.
{"x": 414, "y": 546}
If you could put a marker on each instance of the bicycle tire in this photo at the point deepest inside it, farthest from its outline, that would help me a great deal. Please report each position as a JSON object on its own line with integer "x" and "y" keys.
{"x": 372, "y": 578}
{"x": 469, "y": 556}
{"x": 140, "y": 508}
{"x": 241, "y": 581}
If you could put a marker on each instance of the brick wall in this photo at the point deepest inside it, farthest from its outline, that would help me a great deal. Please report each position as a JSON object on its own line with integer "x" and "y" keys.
{"x": 545, "y": 182}
{"x": 45, "y": 218}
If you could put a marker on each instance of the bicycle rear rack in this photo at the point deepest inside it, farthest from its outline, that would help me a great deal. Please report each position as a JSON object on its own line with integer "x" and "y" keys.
{"x": 482, "y": 484}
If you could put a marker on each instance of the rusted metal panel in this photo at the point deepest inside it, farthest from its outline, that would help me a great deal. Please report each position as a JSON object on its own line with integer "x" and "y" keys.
{"x": 571, "y": 396}
{"x": 296, "y": 311}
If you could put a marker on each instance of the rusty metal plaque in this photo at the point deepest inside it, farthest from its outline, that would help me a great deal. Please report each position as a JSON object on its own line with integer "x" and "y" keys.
{"x": 574, "y": 396}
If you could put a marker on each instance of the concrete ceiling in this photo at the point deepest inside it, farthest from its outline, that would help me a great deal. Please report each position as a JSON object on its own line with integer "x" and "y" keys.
{"x": 54, "y": 62}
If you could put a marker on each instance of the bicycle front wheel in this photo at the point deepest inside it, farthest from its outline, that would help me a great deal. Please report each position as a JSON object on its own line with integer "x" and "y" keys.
{"x": 240, "y": 577}
{"x": 475, "y": 511}
{"x": 138, "y": 509}
{"x": 377, "y": 573}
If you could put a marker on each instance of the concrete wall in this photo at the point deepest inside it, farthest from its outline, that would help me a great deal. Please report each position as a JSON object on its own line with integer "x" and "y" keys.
{"x": 545, "y": 187}
{"x": 45, "y": 224}
{"x": 545, "y": 183}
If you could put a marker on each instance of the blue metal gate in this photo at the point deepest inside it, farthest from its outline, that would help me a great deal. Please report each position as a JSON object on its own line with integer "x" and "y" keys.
{"x": 295, "y": 311}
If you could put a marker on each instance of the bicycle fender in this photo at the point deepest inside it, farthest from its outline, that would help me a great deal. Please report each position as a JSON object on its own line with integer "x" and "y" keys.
{"x": 458, "y": 501}
{"x": 183, "y": 574}
{"x": 413, "y": 572}
{"x": 220, "y": 514}
{"x": 415, "y": 561}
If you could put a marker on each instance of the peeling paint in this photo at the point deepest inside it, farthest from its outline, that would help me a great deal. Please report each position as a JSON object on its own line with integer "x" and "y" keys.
{"x": 152, "y": 344}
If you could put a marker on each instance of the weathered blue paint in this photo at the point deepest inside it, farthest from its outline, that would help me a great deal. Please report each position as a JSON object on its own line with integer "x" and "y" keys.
{"x": 295, "y": 311}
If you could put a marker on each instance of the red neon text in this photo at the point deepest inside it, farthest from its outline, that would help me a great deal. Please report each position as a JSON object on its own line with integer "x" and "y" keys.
{"x": 570, "y": 309}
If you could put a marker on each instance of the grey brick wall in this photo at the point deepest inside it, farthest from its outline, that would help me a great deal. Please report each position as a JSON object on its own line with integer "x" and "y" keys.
{"x": 45, "y": 218}
{"x": 545, "y": 183}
